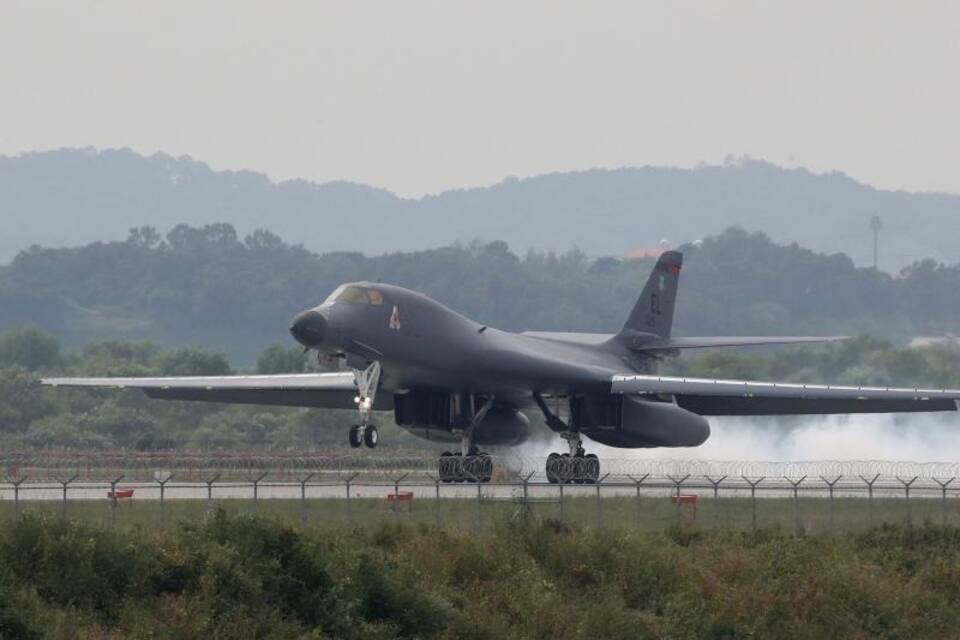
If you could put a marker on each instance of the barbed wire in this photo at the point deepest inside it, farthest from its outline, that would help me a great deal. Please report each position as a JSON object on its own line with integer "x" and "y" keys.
{"x": 52, "y": 462}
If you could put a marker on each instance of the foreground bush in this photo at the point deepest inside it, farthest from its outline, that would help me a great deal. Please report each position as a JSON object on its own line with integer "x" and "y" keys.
{"x": 254, "y": 578}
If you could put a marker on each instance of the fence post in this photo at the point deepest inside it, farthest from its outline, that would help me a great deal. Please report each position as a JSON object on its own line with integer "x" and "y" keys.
{"x": 256, "y": 486}
{"x": 753, "y": 497}
{"x": 600, "y": 501}
{"x": 303, "y": 497}
{"x": 679, "y": 482}
{"x": 870, "y": 484}
{"x": 561, "y": 502}
{"x": 347, "y": 482}
{"x": 526, "y": 495}
{"x": 65, "y": 484}
{"x": 638, "y": 482}
{"x": 210, "y": 487}
{"x": 943, "y": 499}
{"x": 113, "y": 499}
{"x": 906, "y": 488}
{"x": 676, "y": 484}
{"x": 831, "y": 484}
{"x": 436, "y": 500}
{"x": 16, "y": 496}
{"x": 163, "y": 493}
{"x": 716, "y": 498}
{"x": 163, "y": 486}
{"x": 796, "y": 500}
{"x": 396, "y": 492}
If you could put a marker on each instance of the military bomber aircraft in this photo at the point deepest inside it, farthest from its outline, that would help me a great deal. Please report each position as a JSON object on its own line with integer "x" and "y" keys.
{"x": 448, "y": 378}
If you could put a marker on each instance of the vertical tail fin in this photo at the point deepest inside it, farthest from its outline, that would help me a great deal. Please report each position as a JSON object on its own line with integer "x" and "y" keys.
{"x": 653, "y": 312}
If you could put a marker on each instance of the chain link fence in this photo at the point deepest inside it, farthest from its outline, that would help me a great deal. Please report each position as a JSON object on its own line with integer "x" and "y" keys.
{"x": 348, "y": 490}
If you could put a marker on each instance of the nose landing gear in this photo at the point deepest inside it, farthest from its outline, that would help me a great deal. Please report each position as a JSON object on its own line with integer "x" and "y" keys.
{"x": 364, "y": 434}
{"x": 366, "y": 381}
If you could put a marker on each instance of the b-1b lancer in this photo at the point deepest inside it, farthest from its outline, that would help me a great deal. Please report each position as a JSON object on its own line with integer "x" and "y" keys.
{"x": 448, "y": 378}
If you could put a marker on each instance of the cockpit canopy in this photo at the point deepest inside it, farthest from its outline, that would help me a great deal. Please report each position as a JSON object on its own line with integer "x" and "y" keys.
{"x": 355, "y": 294}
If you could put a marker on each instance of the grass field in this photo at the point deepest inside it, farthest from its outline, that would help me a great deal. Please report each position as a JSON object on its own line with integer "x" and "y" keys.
{"x": 646, "y": 513}
{"x": 217, "y": 575}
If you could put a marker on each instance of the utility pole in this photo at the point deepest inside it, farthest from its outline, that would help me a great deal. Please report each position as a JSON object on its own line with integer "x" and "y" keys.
{"x": 875, "y": 225}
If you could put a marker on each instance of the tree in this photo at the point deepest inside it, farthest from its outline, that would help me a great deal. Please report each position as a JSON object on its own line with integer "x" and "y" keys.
{"x": 29, "y": 348}
{"x": 192, "y": 361}
{"x": 280, "y": 359}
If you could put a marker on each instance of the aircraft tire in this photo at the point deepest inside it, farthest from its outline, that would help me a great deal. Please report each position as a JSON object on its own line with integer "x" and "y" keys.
{"x": 566, "y": 468}
{"x": 553, "y": 468}
{"x": 355, "y": 439}
{"x": 590, "y": 467}
{"x": 371, "y": 436}
{"x": 576, "y": 470}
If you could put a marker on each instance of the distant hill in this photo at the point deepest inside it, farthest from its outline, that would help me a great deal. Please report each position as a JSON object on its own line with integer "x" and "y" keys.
{"x": 71, "y": 197}
{"x": 209, "y": 286}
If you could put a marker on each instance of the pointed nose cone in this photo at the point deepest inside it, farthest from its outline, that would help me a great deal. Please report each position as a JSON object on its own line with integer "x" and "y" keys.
{"x": 309, "y": 327}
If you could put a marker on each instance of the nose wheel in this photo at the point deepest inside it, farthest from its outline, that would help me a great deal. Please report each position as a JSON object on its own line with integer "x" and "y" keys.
{"x": 364, "y": 434}
{"x": 366, "y": 381}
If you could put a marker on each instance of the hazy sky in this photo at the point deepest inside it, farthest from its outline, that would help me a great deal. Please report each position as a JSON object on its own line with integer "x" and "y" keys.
{"x": 423, "y": 96}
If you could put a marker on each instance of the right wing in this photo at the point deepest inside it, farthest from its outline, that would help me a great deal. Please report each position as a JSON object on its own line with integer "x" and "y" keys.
{"x": 711, "y": 397}
{"x": 320, "y": 390}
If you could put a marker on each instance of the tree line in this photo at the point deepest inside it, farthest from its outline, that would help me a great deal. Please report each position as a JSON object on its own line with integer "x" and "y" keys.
{"x": 208, "y": 286}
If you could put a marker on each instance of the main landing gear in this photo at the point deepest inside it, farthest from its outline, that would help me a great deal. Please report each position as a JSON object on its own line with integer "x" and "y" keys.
{"x": 469, "y": 464}
{"x": 575, "y": 467}
{"x": 476, "y": 466}
{"x": 366, "y": 381}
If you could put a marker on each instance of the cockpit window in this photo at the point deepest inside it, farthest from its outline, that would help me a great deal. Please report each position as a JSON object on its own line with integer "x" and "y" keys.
{"x": 336, "y": 294}
{"x": 355, "y": 295}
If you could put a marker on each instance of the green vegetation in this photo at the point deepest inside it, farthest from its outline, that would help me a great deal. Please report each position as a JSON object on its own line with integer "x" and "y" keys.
{"x": 812, "y": 512}
{"x": 242, "y": 577}
{"x": 208, "y": 286}
{"x": 32, "y": 416}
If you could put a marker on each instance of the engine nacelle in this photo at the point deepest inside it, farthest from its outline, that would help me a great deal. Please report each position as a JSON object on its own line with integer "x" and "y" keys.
{"x": 436, "y": 416}
{"x": 647, "y": 423}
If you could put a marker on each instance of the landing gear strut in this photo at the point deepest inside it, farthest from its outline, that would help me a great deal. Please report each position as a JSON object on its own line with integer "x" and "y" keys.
{"x": 576, "y": 467}
{"x": 469, "y": 464}
{"x": 366, "y": 381}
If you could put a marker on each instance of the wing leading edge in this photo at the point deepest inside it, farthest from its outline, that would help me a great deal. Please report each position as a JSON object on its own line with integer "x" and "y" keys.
{"x": 319, "y": 390}
{"x": 743, "y": 398}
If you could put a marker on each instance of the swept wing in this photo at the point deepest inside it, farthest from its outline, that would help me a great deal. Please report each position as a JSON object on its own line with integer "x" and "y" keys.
{"x": 743, "y": 398}
{"x": 322, "y": 390}
{"x": 650, "y": 342}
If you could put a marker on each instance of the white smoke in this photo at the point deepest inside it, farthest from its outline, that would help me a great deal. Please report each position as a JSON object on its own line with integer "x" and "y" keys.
{"x": 912, "y": 437}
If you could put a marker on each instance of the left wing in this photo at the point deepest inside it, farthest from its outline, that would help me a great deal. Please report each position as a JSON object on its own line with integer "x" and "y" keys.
{"x": 745, "y": 398}
{"x": 321, "y": 390}
{"x": 649, "y": 342}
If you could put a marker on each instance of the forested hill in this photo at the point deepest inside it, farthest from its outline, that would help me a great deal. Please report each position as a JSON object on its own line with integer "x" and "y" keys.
{"x": 69, "y": 197}
{"x": 208, "y": 286}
